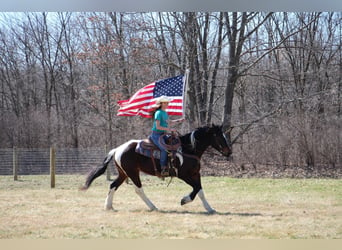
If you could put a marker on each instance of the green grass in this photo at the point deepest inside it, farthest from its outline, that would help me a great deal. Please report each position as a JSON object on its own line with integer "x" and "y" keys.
{"x": 246, "y": 208}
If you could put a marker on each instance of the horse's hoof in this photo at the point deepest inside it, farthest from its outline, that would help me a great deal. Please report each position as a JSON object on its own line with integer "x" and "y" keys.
{"x": 185, "y": 200}
{"x": 213, "y": 211}
{"x": 108, "y": 208}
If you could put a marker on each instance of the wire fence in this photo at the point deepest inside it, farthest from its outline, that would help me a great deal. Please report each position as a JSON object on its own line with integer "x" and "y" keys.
{"x": 23, "y": 161}
{"x": 37, "y": 161}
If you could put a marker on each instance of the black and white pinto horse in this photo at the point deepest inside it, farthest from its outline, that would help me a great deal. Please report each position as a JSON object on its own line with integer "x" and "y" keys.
{"x": 129, "y": 164}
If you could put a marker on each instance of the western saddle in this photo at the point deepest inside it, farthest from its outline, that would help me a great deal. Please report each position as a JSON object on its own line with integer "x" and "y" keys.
{"x": 172, "y": 145}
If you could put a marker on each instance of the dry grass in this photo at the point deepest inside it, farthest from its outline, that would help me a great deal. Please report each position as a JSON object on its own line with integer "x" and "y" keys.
{"x": 247, "y": 208}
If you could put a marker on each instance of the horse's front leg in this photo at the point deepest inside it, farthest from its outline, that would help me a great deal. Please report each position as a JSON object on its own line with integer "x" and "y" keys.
{"x": 188, "y": 198}
{"x": 205, "y": 202}
{"x": 195, "y": 182}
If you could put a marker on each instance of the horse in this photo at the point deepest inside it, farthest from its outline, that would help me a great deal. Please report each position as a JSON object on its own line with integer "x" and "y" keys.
{"x": 129, "y": 164}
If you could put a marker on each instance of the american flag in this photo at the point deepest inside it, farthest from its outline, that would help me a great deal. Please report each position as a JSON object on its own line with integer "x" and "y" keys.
{"x": 142, "y": 101}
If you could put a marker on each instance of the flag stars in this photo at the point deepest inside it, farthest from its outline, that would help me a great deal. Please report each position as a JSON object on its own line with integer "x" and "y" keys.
{"x": 170, "y": 87}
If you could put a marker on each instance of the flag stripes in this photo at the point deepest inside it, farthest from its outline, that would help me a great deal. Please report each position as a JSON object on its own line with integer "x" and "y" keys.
{"x": 142, "y": 101}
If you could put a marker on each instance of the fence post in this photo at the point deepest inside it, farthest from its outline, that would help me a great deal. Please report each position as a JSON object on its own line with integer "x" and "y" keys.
{"x": 15, "y": 164}
{"x": 108, "y": 168}
{"x": 52, "y": 166}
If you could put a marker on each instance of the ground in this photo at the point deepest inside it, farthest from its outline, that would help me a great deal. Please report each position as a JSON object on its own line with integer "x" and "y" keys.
{"x": 246, "y": 209}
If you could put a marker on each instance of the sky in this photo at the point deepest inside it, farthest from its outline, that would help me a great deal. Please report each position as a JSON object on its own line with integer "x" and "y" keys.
{"x": 171, "y": 5}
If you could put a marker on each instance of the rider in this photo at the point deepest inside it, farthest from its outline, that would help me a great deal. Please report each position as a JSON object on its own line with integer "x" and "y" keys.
{"x": 160, "y": 126}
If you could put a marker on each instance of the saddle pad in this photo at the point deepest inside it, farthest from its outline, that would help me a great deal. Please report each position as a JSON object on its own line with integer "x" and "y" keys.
{"x": 146, "y": 152}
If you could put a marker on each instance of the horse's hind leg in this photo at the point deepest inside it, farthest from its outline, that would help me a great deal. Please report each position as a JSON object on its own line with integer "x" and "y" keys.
{"x": 140, "y": 191}
{"x": 113, "y": 187}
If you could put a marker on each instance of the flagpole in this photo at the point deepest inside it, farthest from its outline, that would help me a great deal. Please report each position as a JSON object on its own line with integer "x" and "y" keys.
{"x": 185, "y": 91}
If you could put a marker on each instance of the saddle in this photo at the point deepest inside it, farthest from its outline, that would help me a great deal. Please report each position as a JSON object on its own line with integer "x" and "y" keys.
{"x": 172, "y": 145}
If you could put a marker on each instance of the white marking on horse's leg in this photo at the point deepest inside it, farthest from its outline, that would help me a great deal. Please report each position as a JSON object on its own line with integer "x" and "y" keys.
{"x": 205, "y": 203}
{"x": 109, "y": 200}
{"x": 140, "y": 192}
{"x": 186, "y": 199}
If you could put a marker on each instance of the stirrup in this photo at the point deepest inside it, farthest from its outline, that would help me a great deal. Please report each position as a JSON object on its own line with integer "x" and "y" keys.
{"x": 164, "y": 172}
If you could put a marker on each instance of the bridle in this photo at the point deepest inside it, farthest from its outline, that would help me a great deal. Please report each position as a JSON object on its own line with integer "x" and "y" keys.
{"x": 193, "y": 142}
{"x": 220, "y": 147}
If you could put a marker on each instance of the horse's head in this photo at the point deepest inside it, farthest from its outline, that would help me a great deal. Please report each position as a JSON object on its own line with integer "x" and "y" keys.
{"x": 218, "y": 139}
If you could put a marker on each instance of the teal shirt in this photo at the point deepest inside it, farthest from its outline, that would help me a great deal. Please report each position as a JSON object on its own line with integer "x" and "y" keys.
{"x": 162, "y": 116}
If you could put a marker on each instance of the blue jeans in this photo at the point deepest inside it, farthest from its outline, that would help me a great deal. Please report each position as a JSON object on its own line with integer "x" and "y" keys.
{"x": 163, "y": 154}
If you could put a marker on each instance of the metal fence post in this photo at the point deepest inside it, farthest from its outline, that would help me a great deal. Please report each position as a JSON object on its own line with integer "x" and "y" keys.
{"x": 52, "y": 167}
{"x": 15, "y": 164}
{"x": 108, "y": 168}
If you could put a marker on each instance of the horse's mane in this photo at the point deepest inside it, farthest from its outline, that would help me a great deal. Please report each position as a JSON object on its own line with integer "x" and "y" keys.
{"x": 204, "y": 129}
{"x": 186, "y": 138}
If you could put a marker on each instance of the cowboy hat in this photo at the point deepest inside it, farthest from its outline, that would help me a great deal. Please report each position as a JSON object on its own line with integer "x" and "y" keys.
{"x": 161, "y": 99}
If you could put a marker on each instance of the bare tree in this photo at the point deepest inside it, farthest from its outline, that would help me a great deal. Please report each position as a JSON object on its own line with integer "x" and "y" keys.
{"x": 276, "y": 76}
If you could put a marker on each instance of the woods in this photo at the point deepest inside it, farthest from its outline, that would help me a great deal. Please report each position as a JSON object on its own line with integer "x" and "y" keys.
{"x": 275, "y": 77}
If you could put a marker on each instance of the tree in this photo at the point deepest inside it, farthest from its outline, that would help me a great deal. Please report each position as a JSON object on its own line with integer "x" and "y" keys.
{"x": 237, "y": 32}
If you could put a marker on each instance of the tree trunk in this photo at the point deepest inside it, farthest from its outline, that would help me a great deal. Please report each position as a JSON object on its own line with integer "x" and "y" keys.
{"x": 236, "y": 38}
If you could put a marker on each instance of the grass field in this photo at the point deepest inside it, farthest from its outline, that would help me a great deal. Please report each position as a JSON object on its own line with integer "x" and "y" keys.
{"x": 246, "y": 208}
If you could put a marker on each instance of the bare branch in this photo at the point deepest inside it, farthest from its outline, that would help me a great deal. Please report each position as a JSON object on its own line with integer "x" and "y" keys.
{"x": 247, "y": 126}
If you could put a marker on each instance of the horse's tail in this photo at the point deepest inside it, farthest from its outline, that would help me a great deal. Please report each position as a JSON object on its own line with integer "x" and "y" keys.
{"x": 93, "y": 174}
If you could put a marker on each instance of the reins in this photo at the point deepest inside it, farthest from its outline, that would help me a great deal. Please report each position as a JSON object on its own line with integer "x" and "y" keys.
{"x": 172, "y": 146}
